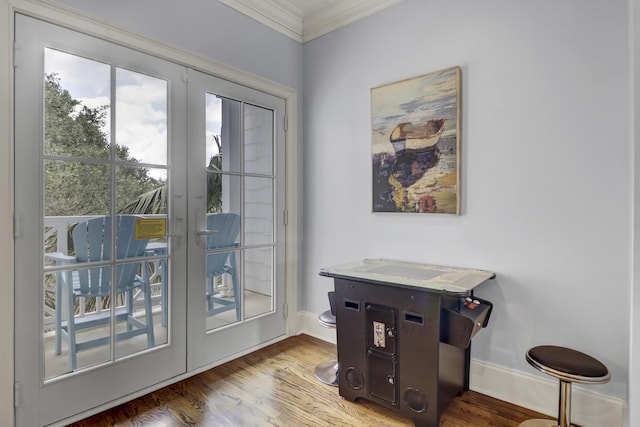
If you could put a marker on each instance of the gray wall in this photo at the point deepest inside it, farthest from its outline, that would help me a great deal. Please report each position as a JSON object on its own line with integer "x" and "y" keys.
{"x": 546, "y": 165}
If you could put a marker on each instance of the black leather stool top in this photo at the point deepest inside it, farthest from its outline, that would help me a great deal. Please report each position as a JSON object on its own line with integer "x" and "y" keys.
{"x": 567, "y": 364}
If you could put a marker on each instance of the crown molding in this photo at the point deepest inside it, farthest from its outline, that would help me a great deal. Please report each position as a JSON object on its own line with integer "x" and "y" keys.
{"x": 284, "y": 17}
{"x": 279, "y": 15}
{"x": 340, "y": 14}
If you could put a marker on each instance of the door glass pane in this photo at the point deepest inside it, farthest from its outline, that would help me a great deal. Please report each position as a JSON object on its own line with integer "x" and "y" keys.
{"x": 224, "y": 119}
{"x": 77, "y": 106}
{"x": 89, "y": 295}
{"x": 258, "y": 208}
{"x": 258, "y": 140}
{"x": 258, "y": 280}
{"x": 141, "y": 190}
{"x": 222, "y": 299}
{"x": 138, "y": 324}
{"x": 70, "y": 185}
{"x": 213, "y": 124}
{"x": 141, "y": 117}
{"x": 90, "y": 338}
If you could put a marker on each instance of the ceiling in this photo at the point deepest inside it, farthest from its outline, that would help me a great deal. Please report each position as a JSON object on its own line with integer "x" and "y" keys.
{"x": 304, "y": 20}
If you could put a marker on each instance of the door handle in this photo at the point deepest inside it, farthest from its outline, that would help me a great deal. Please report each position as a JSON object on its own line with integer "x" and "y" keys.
{"x": 206, "y": 232}
{"x": 177, "y": 235}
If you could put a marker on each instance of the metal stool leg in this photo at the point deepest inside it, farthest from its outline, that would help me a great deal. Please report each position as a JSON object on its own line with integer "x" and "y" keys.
{"x": 564, "y": 404}
{"x": 564, "y": 410}
{"x": 327, "y": 372}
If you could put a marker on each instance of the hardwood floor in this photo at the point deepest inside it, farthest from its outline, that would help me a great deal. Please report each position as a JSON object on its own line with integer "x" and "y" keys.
{"x": 276, "y": 387}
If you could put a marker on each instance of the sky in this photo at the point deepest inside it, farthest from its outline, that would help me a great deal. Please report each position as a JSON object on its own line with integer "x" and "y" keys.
{"x": 140, "y": 105}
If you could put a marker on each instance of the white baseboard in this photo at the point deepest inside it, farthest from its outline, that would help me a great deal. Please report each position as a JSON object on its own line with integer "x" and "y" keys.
{"x": 307, "y": 323}
{"x": 588, "y": 408}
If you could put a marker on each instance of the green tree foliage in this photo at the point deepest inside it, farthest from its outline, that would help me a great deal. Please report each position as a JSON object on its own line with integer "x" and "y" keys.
{"x": 78, "y": 183}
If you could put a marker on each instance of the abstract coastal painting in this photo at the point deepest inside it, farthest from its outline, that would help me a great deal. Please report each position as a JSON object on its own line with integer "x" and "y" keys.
{"x": 415, "y": 144}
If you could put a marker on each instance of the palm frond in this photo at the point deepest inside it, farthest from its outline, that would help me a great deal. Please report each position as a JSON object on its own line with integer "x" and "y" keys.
{"x": 151, "y": 202}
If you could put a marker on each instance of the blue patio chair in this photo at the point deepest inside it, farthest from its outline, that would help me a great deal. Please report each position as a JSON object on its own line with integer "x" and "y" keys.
{"x": 92, "y": 243}
{"x": 226, "y": 227}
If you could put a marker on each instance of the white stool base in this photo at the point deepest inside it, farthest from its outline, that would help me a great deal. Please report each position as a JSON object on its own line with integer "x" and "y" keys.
{"x": 327, "y": 372}
{"x": 538, "y": 422}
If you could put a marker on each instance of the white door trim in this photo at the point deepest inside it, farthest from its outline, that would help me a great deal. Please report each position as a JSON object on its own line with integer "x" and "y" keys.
{"x": 6, "y": 216}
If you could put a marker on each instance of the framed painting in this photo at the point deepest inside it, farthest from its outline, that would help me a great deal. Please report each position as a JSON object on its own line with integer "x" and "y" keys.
{"x": 415, "y": 133}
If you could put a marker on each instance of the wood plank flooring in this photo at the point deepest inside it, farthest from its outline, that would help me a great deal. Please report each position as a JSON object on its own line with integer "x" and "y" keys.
{"x": 275, "y": 386}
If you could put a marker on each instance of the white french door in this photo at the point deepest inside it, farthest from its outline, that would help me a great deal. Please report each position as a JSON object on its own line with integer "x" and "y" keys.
{"x": 236, "y": 199}
{"x": 149, "y": 221}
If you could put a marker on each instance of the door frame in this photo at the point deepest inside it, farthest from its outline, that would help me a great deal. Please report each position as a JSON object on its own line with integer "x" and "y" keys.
{"x": 85, "y": 23}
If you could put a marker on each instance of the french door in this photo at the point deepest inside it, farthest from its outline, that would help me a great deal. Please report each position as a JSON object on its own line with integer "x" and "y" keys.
{"x": 149, "y": 236}
{"x": 236, "y": 200}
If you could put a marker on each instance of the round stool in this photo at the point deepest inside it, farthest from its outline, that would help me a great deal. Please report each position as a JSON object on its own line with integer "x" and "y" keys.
{"x": 327, "y": 371}
{"x": 568, "y": 366}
